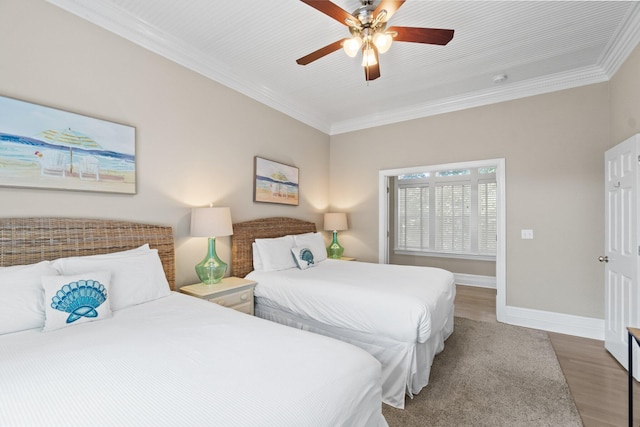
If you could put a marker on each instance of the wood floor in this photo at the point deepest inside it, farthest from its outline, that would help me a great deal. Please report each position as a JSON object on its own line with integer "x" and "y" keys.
{"x": 597, "y": 382}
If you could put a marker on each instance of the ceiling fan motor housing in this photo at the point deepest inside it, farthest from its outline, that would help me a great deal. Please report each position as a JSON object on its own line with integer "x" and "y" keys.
{"x": 364, "y": 14}
{"x": 366, "y": 24}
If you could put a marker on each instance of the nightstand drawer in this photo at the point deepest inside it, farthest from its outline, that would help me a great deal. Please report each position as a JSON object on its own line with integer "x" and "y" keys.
{"x": 247, "y": 308}
{"x": 232, "y": 292}
{"x": 233, "y": 299}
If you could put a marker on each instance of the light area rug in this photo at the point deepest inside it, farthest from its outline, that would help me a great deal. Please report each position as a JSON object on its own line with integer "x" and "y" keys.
{"x": 491, "y": 374}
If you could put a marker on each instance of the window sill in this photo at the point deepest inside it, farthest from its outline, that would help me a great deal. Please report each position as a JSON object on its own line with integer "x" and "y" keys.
{"x": 445, "y": 255}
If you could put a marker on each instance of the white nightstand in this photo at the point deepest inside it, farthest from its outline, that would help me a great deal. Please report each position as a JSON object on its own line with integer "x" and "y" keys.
{"x": 231, "y": 292}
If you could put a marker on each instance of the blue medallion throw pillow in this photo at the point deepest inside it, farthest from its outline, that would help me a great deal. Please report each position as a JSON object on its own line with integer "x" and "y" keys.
{"x": 76, "y": 299}
{"x": 304, "y": 258}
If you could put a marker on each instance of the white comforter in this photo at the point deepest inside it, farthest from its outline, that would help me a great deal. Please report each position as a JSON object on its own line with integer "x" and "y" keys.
{"x": 180, "y": 361}
{"x": 400, "y": 302}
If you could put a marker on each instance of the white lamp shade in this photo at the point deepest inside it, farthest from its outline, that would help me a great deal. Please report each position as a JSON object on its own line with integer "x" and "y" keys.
{"x": 382, "y": 41}
{"x": 335, "y": 221}
{"x": 352, "y": 46}
{"x": 211, "y": 222}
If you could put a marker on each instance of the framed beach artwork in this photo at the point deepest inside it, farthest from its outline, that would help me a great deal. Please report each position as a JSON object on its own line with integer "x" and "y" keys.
{"x": 275, "y": 182}
{"x": 43, "y": 147}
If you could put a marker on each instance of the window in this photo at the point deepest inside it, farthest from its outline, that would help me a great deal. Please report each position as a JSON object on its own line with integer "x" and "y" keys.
{"x": 447, "y": 213}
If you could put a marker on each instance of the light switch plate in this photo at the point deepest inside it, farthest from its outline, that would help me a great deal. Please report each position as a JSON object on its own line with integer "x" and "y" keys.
{"x": 526, "y": 234}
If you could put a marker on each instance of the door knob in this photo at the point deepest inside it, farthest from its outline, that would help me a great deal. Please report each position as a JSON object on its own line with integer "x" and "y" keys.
{"x": 603, "y": 258}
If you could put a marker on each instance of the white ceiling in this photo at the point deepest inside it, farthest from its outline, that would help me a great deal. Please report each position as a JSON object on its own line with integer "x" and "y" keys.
{"x": 251, "y": 46}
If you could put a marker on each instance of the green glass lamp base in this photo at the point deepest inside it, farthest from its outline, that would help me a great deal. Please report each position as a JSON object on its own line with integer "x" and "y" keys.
{"x": 334, "y": 250}
{"x": 211, "y": 269}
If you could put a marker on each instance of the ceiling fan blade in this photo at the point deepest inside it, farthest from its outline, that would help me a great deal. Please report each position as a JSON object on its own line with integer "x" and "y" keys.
{"x": 323, "y": 51}
{"x": 391, "y": 6}
{"x": 422, "y": 35}
{"x": 330, "y": 9}
{"x": 372, "y": 72}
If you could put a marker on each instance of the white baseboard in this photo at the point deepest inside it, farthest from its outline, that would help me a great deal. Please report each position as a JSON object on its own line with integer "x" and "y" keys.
{"x": 568, "y": 324}
{"x": 586, "y": 327}
{"x": 475, "y": 280}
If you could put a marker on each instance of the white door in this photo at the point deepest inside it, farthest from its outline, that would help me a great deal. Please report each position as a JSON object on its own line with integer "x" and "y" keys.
{"x": 622, "y": 250}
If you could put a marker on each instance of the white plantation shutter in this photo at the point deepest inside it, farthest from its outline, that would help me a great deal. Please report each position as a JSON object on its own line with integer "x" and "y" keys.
{"x": 453, "y": 217}
{"x": 487, "y": 217}
{"x": 448, "y": 212}
{"x": 413, "y": 213}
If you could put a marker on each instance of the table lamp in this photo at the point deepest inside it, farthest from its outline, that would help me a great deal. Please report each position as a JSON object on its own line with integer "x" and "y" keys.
{"x": 211, "y": 222}
{"x": 335, "y": 222}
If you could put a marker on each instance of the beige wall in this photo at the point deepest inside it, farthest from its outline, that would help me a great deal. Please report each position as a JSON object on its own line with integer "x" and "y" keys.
{"x": 625, "y": 99}
{"x": 553, "y": 145}
{"x": 195, "y": 139}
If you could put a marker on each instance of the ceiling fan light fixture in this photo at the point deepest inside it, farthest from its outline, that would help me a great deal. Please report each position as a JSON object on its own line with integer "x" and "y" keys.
{"x": 369, "y": 33}
{"x": 382, "y": 40}
{"x": 352, "y": 46}
{"x": 368, "y": 57}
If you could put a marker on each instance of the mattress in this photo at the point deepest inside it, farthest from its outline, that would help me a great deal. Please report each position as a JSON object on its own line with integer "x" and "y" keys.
{"x": 402, "y": 303}
{"x": 179, "y": 360}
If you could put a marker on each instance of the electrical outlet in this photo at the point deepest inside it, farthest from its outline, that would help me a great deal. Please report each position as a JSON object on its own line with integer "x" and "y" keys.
{"x": 526, "y": 234}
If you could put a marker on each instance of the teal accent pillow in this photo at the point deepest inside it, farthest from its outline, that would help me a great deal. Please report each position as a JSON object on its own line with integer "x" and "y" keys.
{"x": 314, "y": 242}
{"x": 76, "y": 299}
{"x": 303, "y": 257}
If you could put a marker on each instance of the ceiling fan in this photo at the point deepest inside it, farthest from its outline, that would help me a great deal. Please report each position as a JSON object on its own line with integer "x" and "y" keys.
{"x": 369, "y": 32}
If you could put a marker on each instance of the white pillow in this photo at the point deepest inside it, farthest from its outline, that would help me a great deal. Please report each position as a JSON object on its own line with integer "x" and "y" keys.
{"x": 304, "y": 257}
{"x": 136, "y": 276}
{"x": 314, "y": 242}
{"x": 276, "y": 253}
{"x": 257, "y": 262}
{"x": 22, "y": 296}
{"x": 76, "y": 299}
{"x": 139, "y": 249}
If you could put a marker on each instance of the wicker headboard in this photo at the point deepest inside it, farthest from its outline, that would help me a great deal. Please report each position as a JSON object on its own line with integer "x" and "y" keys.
{"x": 245, "y": 233}
{"x": 31, "y": 240}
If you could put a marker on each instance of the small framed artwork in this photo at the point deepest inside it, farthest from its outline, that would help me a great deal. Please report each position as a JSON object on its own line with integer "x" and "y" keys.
{"x": 43, "y": 147}
{"x": 275, "y": 182}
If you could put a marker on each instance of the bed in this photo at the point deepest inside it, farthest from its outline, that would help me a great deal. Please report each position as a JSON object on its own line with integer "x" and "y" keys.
{"x": 401, "y": 315}
{"x": 159, "y": 358}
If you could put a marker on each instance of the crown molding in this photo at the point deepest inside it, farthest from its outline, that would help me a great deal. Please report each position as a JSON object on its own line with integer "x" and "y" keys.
{"x": 506, "y": 92}
{"x": 142, "y": 33}
{"x": 623, "y": 44}
{"x": 618, "y": 50}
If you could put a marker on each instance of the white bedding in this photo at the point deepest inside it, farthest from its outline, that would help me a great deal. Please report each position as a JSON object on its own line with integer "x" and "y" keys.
{"x": 180, "y": 361}
{"x": 404, "y": 303}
